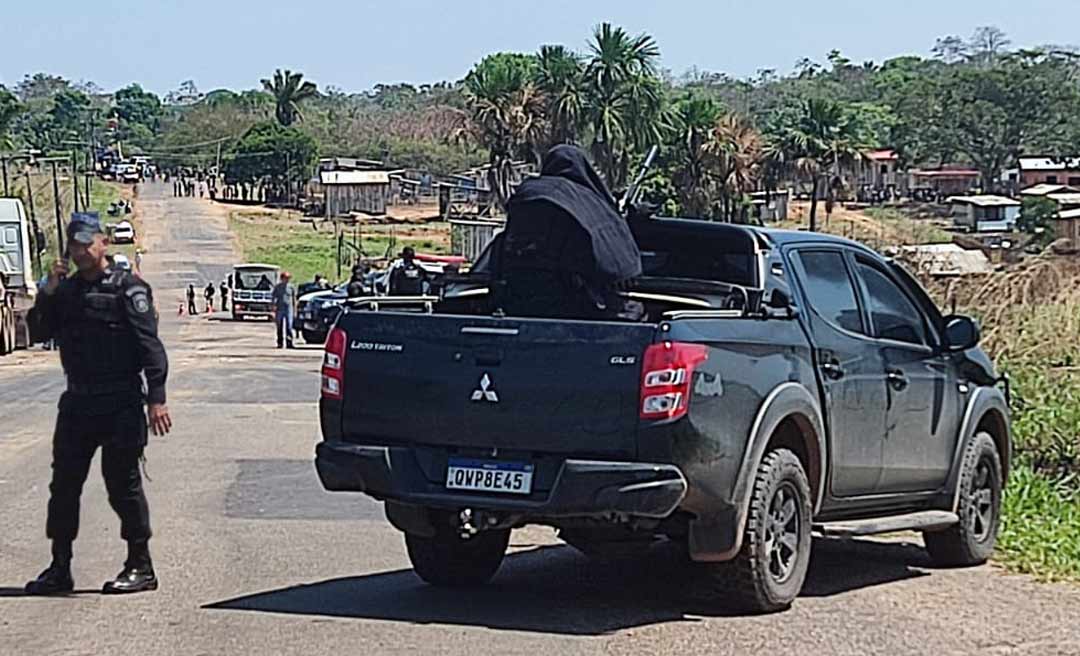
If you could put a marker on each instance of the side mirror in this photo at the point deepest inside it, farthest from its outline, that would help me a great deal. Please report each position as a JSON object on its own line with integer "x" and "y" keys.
{"x": 961, "y": 333}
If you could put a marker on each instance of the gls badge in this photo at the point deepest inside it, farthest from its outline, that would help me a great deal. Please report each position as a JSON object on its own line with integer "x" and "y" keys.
{"x": 486, "y": 391}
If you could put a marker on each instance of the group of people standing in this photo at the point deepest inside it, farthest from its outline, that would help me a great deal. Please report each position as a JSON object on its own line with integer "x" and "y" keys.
{"x": 208, "y": 296}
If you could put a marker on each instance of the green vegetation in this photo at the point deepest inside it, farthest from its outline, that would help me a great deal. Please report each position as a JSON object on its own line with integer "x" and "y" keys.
{"x": 1037, "y": 217}
{"x": 1040, "y": 527}
{"x": 906, "y": 230}
{"x": 277, "y": 237}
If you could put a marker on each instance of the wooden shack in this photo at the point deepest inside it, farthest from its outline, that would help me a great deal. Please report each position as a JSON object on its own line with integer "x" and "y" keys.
{"x": 355, "y": 191}
{"x": 469, "y": 238}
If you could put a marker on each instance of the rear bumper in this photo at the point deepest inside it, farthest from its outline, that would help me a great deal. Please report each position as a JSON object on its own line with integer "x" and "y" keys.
{"x": 581, "y": 488}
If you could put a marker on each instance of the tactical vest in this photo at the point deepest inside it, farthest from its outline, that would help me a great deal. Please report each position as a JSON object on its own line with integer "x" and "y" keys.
{"x": 97, "y": 342}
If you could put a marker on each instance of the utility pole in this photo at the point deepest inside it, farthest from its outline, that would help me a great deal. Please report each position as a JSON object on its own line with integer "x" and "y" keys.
{"x": 75, "y": 178}
{"x": 56, "y": 206}
{"x": 3, "y": 164}
{"x": 33, "y": 221}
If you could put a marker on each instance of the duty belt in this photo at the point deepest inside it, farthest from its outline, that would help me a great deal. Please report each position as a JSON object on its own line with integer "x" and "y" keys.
{"x": 105, "y": 386}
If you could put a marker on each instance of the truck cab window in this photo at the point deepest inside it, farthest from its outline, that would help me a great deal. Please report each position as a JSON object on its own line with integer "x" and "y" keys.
{"x": 829, "y": 290}
{"x": 893, "y": 315}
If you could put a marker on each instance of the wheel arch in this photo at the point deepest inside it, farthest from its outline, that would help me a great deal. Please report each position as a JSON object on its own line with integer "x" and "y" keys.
{"x": 987, "y": 411}
{"x": 789, "y": 417}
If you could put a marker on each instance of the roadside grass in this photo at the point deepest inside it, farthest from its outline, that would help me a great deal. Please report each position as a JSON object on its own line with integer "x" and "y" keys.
{"x": 1031, "y": 327}
{"x": 101, "y": 194}
{"x": 279, "y": 238}
{"x": 1040, "y": 531}
{"x": 912, "y": 231}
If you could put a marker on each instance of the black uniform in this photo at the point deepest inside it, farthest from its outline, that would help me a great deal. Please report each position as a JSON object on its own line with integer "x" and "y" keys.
{"x": 407, "y": 279}
{"x": 108, "y": 336}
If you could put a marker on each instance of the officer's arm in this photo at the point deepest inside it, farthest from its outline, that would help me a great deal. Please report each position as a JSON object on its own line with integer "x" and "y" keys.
{"x": 44, "y": 317}
{"x": 142, "y": 317}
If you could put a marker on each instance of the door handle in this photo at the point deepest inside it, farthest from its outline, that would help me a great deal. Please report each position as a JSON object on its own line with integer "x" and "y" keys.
{"x": 832, "y": 370}
{"x": 897, "y": 380}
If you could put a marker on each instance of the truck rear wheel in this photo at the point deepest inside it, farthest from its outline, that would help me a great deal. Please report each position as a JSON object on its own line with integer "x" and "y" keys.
{"x": 314, "y": 336}
{"x": 972, "y": 540}
{"x": 768, "y": 572}
{"x": 446, "y": 560}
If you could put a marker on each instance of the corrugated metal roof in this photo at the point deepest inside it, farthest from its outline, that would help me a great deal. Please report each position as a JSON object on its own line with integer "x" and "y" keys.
{"x": 1049, "y": 163}
{"x": 985, "y": 201}
{"x": 1065, "y": 199}
{"x": 1069, "y": 214}
{"x": 949, "y": 260}
{"x": 354, "y": 177}
{"x": 1047, "y": 189}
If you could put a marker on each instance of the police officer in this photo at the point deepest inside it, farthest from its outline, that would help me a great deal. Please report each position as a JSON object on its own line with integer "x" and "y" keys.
{"x": 107, "y": 328}
{"x": 356, "y": 287}
{"x": 407, "y": 278}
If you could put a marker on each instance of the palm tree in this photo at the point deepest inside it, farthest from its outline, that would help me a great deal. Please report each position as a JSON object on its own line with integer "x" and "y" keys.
{"x": 625, "y": 101}
{"x": 560, "y": 77}
{"x": 693, "y": 120}
{"x": 737, "y": 151}
{"x": 824, "y": 136}
{"x": 289, "y": 91}
{"x": 505, "y": 115}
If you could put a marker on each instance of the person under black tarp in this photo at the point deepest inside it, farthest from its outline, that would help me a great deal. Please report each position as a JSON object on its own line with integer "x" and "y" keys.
{"x": 566, "y": 249}
{"x": 407, "y": 278}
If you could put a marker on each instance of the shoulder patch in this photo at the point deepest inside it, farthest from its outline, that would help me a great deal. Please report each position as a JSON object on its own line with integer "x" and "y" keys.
{"x": 139, "y": 299}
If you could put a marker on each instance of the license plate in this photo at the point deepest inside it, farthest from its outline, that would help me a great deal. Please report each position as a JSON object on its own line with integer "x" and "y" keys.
{"x": 489, "y": 476}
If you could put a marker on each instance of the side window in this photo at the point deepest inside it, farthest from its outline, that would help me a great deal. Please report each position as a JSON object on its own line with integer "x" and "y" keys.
{"x": 894, "y": 316}
{"x": 828, "y": 288}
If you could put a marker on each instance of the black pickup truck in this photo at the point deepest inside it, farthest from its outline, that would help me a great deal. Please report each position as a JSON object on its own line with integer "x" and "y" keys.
{"x": 778, "y": 383}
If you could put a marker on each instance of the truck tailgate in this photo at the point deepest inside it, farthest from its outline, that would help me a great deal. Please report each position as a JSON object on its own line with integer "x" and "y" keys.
{"x": 536, "y": 385}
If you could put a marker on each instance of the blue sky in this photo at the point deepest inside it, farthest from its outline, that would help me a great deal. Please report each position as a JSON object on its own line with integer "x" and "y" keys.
{"x": 356, "y": 44}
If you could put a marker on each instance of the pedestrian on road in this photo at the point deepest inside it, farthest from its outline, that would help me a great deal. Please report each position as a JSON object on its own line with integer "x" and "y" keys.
{"x": 191, "y": 309}
{"x": 138, "y": 260}
{"x": 107, "y": 325}
{"x": 284, "y": 301}
{"x": 224, "y": 296}
{"x": 208, "y": 294}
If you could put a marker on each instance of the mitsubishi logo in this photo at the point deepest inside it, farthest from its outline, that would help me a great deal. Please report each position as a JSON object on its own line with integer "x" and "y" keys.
{"x": 485, "y": 393}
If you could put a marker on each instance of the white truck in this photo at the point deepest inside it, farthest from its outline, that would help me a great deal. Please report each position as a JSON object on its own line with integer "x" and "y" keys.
{"x": 17, "y": 286}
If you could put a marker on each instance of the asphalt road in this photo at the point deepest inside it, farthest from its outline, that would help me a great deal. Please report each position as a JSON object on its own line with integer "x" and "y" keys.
{"x": 255, "y": 558}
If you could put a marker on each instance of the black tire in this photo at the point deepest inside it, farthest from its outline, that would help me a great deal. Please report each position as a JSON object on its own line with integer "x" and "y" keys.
{"x": 766, "y": 577}
{"x": 314, "y": 336}
{"x": 972, "y": 540}
{"x": 446, "y": 560}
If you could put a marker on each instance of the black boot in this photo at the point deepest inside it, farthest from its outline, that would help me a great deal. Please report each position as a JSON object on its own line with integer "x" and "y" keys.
{"x": 57, "y": 578}
{"x": 138, "y": 574}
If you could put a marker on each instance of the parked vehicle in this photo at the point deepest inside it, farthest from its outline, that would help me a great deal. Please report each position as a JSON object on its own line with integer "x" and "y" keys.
{"x": 252, "y": 285}
{"x": 121, "y": 262}
{"x": 123, "y": 233}
{"x": 779, "y": 382}
{"x": 317, "y": 311}
{"x": 17, "y": 289}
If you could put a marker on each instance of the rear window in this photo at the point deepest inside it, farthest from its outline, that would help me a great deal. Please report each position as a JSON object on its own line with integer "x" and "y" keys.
{"x": 671, "y": 249}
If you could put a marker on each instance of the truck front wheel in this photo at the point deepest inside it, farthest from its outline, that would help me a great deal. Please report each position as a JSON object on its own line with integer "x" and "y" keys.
{"x": 447, "y": 560}
{"x": 768, "y": 572}
{"x": 971, "y": 541}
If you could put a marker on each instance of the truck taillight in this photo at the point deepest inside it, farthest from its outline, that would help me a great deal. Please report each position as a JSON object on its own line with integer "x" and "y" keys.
{"x": 333, "y": 369}
{"x": 666, "y": 377}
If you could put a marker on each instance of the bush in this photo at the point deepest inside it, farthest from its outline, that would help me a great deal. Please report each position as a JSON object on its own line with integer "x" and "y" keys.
{"x": 1040, "y": 531}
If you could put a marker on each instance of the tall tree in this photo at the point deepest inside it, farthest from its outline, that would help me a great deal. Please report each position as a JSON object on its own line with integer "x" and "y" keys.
{"x": 625, "y": 99}
{"x": 738, "y": 153}
{"x": 987, "y": 44}
{"x": 504, "y": 113}
{"x": 289, "y": 90}
{"x": 694, "y": 118}
{"x": 270, "y": 152}
{"x": 951, "y": 49}
{"x": 815, "y": 140}
{"x": 560, "y": 77}
{"x": 9, "y": 109}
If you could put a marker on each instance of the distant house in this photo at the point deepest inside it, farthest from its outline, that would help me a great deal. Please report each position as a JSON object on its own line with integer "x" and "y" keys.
{"x": 985, "y": 213}
{"x": 770, "y": 207}
{"x": 946, "y": 181}
{"x": 880, "y": 169}
{"x": 355, "y": 191}
{"x": 1049, "y": 170}
{"x": 1067, "y": 226}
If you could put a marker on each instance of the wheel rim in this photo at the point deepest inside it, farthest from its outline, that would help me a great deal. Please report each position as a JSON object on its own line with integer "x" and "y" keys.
{"x": 782, "y": 532}
{"x": 982, "y": 501}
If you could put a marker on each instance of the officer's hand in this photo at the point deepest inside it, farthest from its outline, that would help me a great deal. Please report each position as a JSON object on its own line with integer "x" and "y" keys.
{"x": 59, "y": 272}
{"x": 158, "y": 418}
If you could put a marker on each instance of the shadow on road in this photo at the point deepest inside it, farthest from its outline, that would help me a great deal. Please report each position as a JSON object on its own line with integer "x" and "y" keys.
{"x": 554, "y": 589}
{"x": 20, "y": 592}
